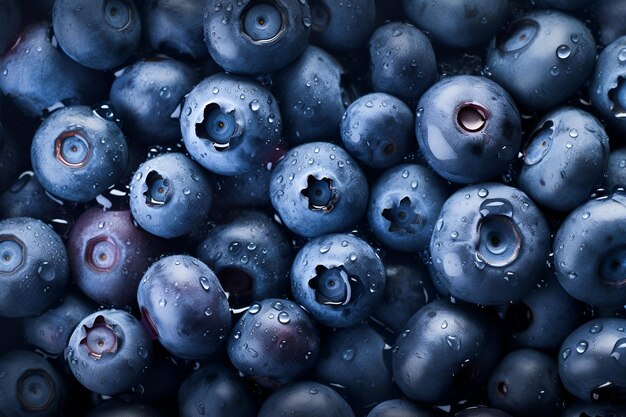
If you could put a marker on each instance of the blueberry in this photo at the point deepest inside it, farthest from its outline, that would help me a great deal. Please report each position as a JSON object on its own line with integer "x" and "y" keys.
{"x": 615, "y": 171}
{"x": 100, "y": 34}
{"x": 590, "y": 251}
{"x": 246, "y": 190}
{"x": 256, "y": 37}
{"x": 608, "y": 15}
{"x": 399, "y": 408}
{"x": 119, "y": 407}
{"x": 230, "y": 124}
{"x": 77, "y": 154}
{"x": 338, "y": 278}
{"x": 342, "y": 26}
{"x": 482, "y": 412}
{"x": 404, "y": 204}
{"x": 490, "y": 244}
{"x": 274, "y": 342}
{"x": 402, "y": 61}
{"x": 570, "y": 5}
{"x": 468, "y": 128}
{"x": 170, "y": 195}
{"x": 30, "y": 386}
{"x": 184, "y": 305}
{"x": 580, "y": 408}
{"x": 33, "y": 266}
{"x": 560, "y": 50}
{"x": 109, "y": 351}
{"x": 27, "y": 198}
{"x": 318, "y": 188}
{"x": 306, "y": 399}
{"x": 11, "y": 14}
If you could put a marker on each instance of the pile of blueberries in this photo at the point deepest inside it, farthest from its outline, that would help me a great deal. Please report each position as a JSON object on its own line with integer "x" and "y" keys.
{"x": 312, "y": 208}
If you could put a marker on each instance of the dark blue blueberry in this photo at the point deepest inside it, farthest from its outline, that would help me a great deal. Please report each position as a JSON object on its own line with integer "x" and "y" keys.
{"x": 400, "y": 408}
{"x": 148, "y": 96}
{"x": 317, "y": 188}
{"x": 251, "y": 257}
{"x": 404, "y": 204}
{"x": 458, "y": 24}
{"x": 446, "y": 352}
{"x": 230, "y": 124}
{"x": 526, "y": 383}
{"x": 580, "y": 408}
{"x": 306, "y": 399}
{"x": 569, "y": 5}
{"x": 214, "y": 391}
{"x": 170, "y": 195}
{"x": 33, "y": 267}
{"x": 256, "y": 37}
{"x": 590, "y": 251}
{"x": 338, "y": 278}
{"x": 355, "y": 359}
{"x": 402, "y": 61}
{"x": 490, "y": 244}
{"x": 27, "y": 198}
{"x": 591, "y": 366}
{"x": 77, "y": 154}
{"x": 45, "y": 76}
{"x": 542, "y": 58}
{"x": 108, "y": 255}
{"x": 29, "y": 386}
{"x": 608, "y": 14}
{"x": 245, "y": 190}
{"x": 615, "y": 174}
{"x": 119, "y": 407}
{"x": 99, "y": 34}
{"x": 11, "y": 17}
{"x": 482, "y": 412}
{"x": 564, "y": 159}
{"x": 51, "y": 330}
{"x": 11, "y": 158}
{"x": 313, "y": 93}
{"x": 109, "y": 351}
{"x": 274, "y": 342}
{"x": 342, "y": 26}
{"x": 468, "y": 128}
{"x": 377, "y": 129}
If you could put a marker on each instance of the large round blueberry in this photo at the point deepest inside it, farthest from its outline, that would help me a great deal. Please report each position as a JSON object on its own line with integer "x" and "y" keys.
{"x": 399, "y": 408}
{"x": 230, "y": 124}
{"x": 338, "y": 278}
{"x": 342, "y": 26}
{"x": 77, "y": 154}
{"x": 318, "y": 188}
{"x": 306, "y": 399}
{"x": 468, "y": 128}
{"x": 256, "y": 37}
{"x": 33, "y": 275}
{"x": 542, "y": 58}
{"x": 490, "y": 244}
{"x": 170, "y": 195}
{"x": 590, "y": 251}
{"x": 404, "y": 204}
{"x": 109, "y": 351}
{"x": 615, "y": 171}
{"x": 564, "y": 159}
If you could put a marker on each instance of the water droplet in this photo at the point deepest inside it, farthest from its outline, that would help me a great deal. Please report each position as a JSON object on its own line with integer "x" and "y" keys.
{"x": 554, "y": 71}
{"x": 565, "y": 354}
{"x": 414, "y": 184}
{"x": 46, "y": 271}
{"x": 563, "y": 51}
{"x": 162, "y": 302}
{"x": 595, "y": 328}
{"x": 100, "y": 225}
{"x": 454, "y": 342}
{"x": 165, "y": 92}
{"x": 444, "y": 324}
{"x": 201, "y": 409}
{"x": 142, "y": 352}
{"x": 254, "y": 308}
{"x": 204, "y": 283}
{"x": 283, "y": 346}
{"x": 324, "y": 249}
{"x": 283, "y": 317}
{"x": 573, "y": 133}
{"x": 405, "y": 173}
{"x": 216, "y": 90}
{"x": 313, "y": 391}
{"x": 621, "y": 55}
{"x": 278, "y": 306}
{"x": 582, "y": 346}
{"x": 572, "y": 275}
{"x": 253, "y": 352}
{"x": 454, "y": 234}
{"x": 482, "y": 193}
{"x": 353, "y": 257}
{"x": 251, "y": 246}
{"x": 348, "y": 354}
{"x": 619, "y": 351}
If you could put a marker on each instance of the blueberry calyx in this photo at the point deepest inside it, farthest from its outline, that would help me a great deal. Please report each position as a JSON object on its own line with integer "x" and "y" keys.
{"x": 402, "y": 217}
{"x": 472, "y": 117}
{"x": 321, "y": 193}
{"x": 333, "y": 286}
{"x": 519, "y": 34}
{"x": 117, "y": 14}
{"x": 263, "y": 22}
{"x": 613, "y": 267}
{"x": 158, "y": 189}
{"x": 617, "y": 95}
{"x": 100, "y": 338}
{"x": 101, "y": 254}
{"x": 72, "y": 149}
{"x": 35, "y": 390}
{"x": 218, "y": 126}
{"x": 12, "y": 253}
{"x": 539, "y": 144}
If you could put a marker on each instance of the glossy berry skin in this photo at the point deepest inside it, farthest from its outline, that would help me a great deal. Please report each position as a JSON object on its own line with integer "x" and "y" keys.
{"x": 377, "y": 129}
{"x": 109, "y": 351}
{"x": 526, "y": 382}
{"x": 458, "y": 24}
{"x": 590, "y": 361}
{"x": 468, "y": 128}
{"x": 354, "y": 358}
{"x": 590, "y": 251}
{"x": 99, "y": 34}
{"x": 482, "y": 412}
{"x": 306, "y": 399}
{"x": 30, "y": 386}
{"x": 564, "y": 159}
{"x": 147, "y": 94}
{"x": 560, "y": 50}
{"x": 445, "y": 352}
{"x": 251, "y": 256}
{"x": 313, "y": 93}
{"x": 51, "y": 330}
{"x": 580, "y": 408}
{"x": 404, "y": 204}
{"x": 490, "y": 244}
{"x": 402, "y": 61}
{"x": 118, "y": 407}
{"x": 185, "y": 306}
{"x": 317, "y": 188}
{"x": 256, "y": 38}
{"x": 27, "y": 198}
{"x": 399, "y": 408}
{"x": 228, "y": 134}
{"x": 109, "y": 254}
{"x": 342, "y": 26}
{"x": 609, "y": 16}
{"x": 274, "y": 342}
{"x": 34, "y": 275}
{"x": 11, "y": 15}
{"x": 37, "y": 81}
{"x": 338, "y": 278}
{"x": 170, "y": 195}
{"x": 615, "y": 171}
{"x": 77, "y": 154}
{"x": 214, "y": 391}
